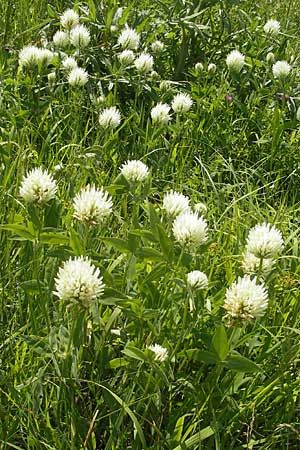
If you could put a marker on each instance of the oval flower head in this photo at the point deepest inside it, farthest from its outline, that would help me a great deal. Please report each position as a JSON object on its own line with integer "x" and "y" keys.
{"x": 61, "y": 39}
{"x": 80, "y": 36}
{"x": 69, "y": 63}
{"x": 92, "y": 205}
{"x": 129, "y": 38}
{"x": 181, "y": 103}
{"x": 272, "y": 27}
{"x": 78, "y": 77}
{"x": 246, "y": 300}
{"x": 38, "y": 187}
{"x": 134, "y": 171}
{"x": 110, "y": 118}
{"x": 190, "y": 230}
{"x": 160, "y": 353}
{"x": 69, "y": 19}
{"x": 264, "y": 241}
{"x": 29, "y": 56}
{"x": 126, "y": 57}
{"x": 252, "y": 265}
{"x": 144, "y": 63}
{"x": 160, "y": 114}
{"x": 197, "y": 280}
{"x": 235, "y": 61}
{"x": 175, "y": 203}
{"x": 281, "y": 69}
{"x": 79, "y": 281}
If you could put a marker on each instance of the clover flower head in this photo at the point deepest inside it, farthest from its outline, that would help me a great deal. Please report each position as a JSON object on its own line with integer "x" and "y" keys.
{"x": 175, "y": 203}
{"x": 110, "y": 118}
{"x": 38, "y": 187}
{"x": 190, "y": 230}
{"x": 245, "y": 299}
{"x": 160, "y": 353}
{"x": 92, "y": 206}
{"x": 264, "y": 241}
{"x": 78, "y": 77}
{"x": 197, "y": 280}
{"x": 134, "y": 171}
{"x": 79, "y": 281}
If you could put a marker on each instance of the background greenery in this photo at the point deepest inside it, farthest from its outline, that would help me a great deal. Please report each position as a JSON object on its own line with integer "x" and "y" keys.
{"x": 68, "y": 381}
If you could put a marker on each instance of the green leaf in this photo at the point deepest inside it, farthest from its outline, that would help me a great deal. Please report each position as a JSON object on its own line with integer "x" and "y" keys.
{"x": 118, "y": 244}
{"x": 220, "y": 342}
{"x": 134, "y": 352}
{"x": 165, "y": 243}
{"x": 145, "y": 234}
{"x": 32, "y": 286}
{"x": 153, "y": 217}
{"x": 19, "y": 230}
{"x": 132, "y": 416}
{"x": 75, "y": 243}
{"x": 149, "y": 253}
{"x": 118, "y": 362}
{"x": 241, "y": 364}
{"x": 179, "y": 428}
{"x": 193, "y": 441}
{"x": 53, "y": 238}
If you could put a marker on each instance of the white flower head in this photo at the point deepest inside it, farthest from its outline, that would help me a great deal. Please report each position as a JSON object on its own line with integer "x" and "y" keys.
{"x": 80, "y": 36}
{"x": 245, "y": 299}
{"x": 144, "y": 63}
{"x": 157, "y": 46}
{"x": 38, "y": 187}
{"x": 28, "y": 56}
{"x": 281, "y": 69}
{"x": 270, "y": 58}
{"x": 175, "y": 203}
{"x": 78, "y": 77}
{"x": 211, "y": 67}
{"x": 197, "y": 280}
{"x": 92, "y": 206}
{"x": 182, "y": 103}
{"x": 199, "y": 67}
{"x": 129, "y": 38}
{"x": 200, "y": 208}
{"x": 61, "y": 39}
{"x": 134, "y": 171}
{"x": 45, "y": 56}
{"x": 161, "y": 353}
{"x": 272, "y": 27}
{"x": 69, "y": 19}
{"x": 79, "y": 281}
{"x": 110, "y": 118}
{"x": 51, "y": 78}
{"x": 160, "y": 114}
{"x": 126, "y": 57}
{"x": 252, "y": 265}
{"x": 235, "y": 61}
{"x": 189, "y": 229}
{"x": 69, "y": 63}
{"x": 264, "y": 241}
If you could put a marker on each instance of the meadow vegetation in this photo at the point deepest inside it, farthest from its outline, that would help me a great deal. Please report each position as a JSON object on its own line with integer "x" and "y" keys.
{"x": 149, "y": 189}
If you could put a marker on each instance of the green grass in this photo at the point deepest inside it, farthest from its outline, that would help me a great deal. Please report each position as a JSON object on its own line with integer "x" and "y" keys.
{"x": 77, "y": 379}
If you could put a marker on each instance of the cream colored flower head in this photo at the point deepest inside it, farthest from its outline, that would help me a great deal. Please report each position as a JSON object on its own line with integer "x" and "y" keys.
{"x": 92, "y": 206}
{"x": 79, "y": 281}
{"x": 190, "y": 230}
{"x": 38, "y": 187}
{"x": 134, "y": 171}
{"x": 264, "y": 241}
{"x": 245, "y": 299}
{"x": 175, "y": 203}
